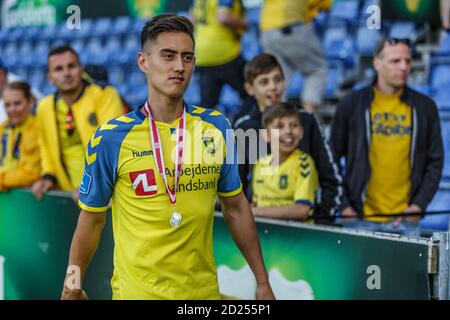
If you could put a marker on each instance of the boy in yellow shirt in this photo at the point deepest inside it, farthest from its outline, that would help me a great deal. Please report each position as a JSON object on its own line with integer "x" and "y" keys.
{"x": 285, "y": 182}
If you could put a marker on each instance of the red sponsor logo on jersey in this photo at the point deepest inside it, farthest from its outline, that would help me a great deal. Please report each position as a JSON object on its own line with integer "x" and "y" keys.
{"x": 143, "y": 182}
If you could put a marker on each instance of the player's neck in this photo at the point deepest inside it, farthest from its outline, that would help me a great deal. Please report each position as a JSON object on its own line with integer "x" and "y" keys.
{"x": 166, "y": 109}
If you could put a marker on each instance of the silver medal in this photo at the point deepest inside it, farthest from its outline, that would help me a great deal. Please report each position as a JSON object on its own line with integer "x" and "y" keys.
{"x": 175, "y": 219}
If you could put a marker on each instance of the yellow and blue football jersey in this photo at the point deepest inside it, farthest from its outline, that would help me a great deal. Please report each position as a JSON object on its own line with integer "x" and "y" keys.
{"x": 152, "y": 258}
{"x": 294, "y": 181}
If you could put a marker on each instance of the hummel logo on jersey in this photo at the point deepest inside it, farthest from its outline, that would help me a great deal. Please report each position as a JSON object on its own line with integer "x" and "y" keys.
{"x": 143, "y": 182}
{"x": 138, "y": 154}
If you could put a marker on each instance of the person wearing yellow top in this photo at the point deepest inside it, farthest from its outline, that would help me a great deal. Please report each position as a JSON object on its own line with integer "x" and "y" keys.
{"x": 287, "y": 33}
{"x": 390, "y": 137}
{"x": 285, "y": 182}
{"x": 68, "y": 119}
{"x": 389, "y": 156}
{"x": 218, "y": 28}
{"x": 163, "y": 165}
{"x": 19, "y": 158}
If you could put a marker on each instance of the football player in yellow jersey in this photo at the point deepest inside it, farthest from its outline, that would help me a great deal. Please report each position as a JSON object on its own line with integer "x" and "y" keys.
{"x": 162, "y": 201}
{"x": 285, "y": 182}
{"x": 19, "y": 157}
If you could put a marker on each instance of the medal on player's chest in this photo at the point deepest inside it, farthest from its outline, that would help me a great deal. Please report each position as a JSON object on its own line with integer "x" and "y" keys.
{"x": 175, "y": 218}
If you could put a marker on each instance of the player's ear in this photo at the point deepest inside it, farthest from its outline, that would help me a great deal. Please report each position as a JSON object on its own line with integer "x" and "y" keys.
{"x": 141, "y": 62}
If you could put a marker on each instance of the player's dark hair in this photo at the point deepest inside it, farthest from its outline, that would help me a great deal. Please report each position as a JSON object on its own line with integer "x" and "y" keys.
{"x": 261, "y": 64}
{"x": 167, "y": 22}
{"x": 280, "y": 110}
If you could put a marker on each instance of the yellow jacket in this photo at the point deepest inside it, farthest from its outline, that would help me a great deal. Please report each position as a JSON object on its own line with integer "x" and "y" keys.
{"x": 94, "y": 107}
{"x": 19, "y": 157}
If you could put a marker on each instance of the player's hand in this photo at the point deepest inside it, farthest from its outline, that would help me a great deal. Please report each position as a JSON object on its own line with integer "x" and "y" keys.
{"x": 74, "y": 294}
{"x": 40, "y": 187}
{"x": 349, "y": 212}
{"x": 264, "y": 292}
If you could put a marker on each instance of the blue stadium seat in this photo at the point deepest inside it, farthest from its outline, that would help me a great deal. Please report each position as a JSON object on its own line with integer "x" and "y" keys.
{"x": 335, "y": 76}
{"x": 339, "y": 46}
{"x": 77, "y": 45}
{"x": 112, "y": 48}
{"x": 122, "y": 88}
{"x": 253, "y": 15}
{"x": 47, "y": 88}
{"x": 116, "y": 75}
{"x": 36, "y": 78}
{"x": 102, "y": 27}
{"x": 345, "y": 10}
{"x": 251, "y": 46}
{"x": 295, "y": 87}
{"x": 136, "y": 78}
{"x": 136, "y": 96}
{"x": 9, "y": 55}
{"x": 440, "y": 75}
{"x": 403, "y": 30}
{"x": 41, "y": 50}
{"x": 442, "y": 97}
{"x": 445, "y": 130}
{"x": 122, "y": 25}
{"x": 366, "y": 40}
{"x": 95, "y": 52}
{"x": 49, "y": 33}
{"x": 422, "y": 88}
{"x": 444, "y": 46}
{"x": 137, "y": 26}
{"x": 441, "y": 201}
{"x": 230, "y": 101}
{"x": 26, "y": 53}
{"x": 15, "y": 34}
{"x": 21, "y": 72}
{"x": 31, "y": 33}
{"x": 3, "y": 35}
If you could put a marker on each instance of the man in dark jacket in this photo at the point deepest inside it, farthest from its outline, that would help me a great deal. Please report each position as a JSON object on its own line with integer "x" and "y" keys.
{"x": 390, "y": 138}
{"x": 264, "y": 81}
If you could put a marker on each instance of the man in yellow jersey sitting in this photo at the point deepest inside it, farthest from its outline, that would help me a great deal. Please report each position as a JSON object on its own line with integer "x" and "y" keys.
{"x": 68, "y": 119}
{"x": 285, "y": 182}
{"x": 390, "y": 138}
{"x": 155, "y": 164}
{"x": 218, "y": 28}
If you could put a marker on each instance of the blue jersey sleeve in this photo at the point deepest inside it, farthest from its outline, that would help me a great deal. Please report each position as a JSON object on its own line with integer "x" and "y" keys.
{"x": 99, "y": 174}
{"x": 229, "y": 182}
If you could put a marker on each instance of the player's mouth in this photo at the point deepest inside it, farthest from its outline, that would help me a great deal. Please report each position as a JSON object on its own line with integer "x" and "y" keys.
{"x": 178, "y": 80}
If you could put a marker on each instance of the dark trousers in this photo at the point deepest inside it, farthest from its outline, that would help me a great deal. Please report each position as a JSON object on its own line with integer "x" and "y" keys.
{"x": 213, "y": 78}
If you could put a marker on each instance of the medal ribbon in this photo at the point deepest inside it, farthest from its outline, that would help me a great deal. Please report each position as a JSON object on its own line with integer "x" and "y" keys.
{"x": 157, "y": 150}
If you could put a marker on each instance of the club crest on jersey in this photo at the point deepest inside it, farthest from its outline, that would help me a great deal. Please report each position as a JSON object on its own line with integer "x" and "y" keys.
{"x": 143, "y": 182}
{"x": 209, "y": 144}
